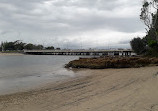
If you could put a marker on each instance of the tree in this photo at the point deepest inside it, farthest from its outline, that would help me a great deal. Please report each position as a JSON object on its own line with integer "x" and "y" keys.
{"x": 29, "y": 46}
{"x": 149, "y": 15}
{"x": 138, "y": 45}
{"x": 1, "y": 47}
{"x": 38, "y": 47}
{"x": 32, "y": 46}
{"x": 148, "y": 45}
{"x": 50, "y": 48}
{"x": 58, "y": 48}
{"x": 8, "y": 46}
{"x": 19, "y": 45}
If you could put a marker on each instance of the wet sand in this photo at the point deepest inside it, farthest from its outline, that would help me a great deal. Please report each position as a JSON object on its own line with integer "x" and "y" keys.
{"x": 133, "y": 89}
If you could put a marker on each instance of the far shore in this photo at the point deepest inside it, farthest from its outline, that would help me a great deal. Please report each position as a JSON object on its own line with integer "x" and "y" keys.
{"x": 10, "y": 53}
{"x": 130, "y": 89}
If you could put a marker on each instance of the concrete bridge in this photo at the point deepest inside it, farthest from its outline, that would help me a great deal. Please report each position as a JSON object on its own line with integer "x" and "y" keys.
{"x": 81, "y": 52}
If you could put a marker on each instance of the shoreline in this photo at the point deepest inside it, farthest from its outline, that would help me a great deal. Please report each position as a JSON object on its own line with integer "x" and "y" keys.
{"x": 98, "y": 90}
{"x": 10, "y": 53}
{"x": 42, "y": 88}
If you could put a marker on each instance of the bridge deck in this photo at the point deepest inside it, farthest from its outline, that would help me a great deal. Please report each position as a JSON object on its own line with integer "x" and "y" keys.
{"x": 79, "y": 52}
{"x": 25, "y": 51}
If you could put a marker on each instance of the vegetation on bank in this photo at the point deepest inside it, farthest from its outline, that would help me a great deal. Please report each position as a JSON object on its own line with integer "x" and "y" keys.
{"x": 148, "y": 45}
{"x": 18, "y": 46}
{"x": 112, "y": 62}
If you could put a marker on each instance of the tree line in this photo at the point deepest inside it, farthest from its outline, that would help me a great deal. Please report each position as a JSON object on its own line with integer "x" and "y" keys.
{"x": 148, "y": 45}
{"x": 19, "y": 46}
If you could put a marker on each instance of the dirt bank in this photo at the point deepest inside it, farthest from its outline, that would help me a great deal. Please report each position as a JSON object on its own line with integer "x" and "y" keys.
{"x": 131, "y": 89}
{"x": 112, "y": 62}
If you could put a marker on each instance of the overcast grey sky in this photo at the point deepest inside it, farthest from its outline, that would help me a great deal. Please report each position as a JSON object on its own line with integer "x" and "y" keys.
{"x": 71, "y": 23}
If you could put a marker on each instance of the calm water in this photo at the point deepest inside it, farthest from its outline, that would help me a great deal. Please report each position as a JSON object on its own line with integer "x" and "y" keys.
{"x": 21, "y": 73}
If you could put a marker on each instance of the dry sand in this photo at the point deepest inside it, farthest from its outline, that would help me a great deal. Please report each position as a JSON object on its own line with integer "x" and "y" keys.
{"x": 134, "y": 89}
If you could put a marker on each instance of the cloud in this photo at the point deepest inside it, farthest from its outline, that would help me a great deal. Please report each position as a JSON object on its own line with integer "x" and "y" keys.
{"x": 56, "y": 21}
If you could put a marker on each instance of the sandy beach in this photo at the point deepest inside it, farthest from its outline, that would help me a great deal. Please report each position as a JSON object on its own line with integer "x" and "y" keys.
{"x": 6, "y": 54}
{"x": 131, "y": 89}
